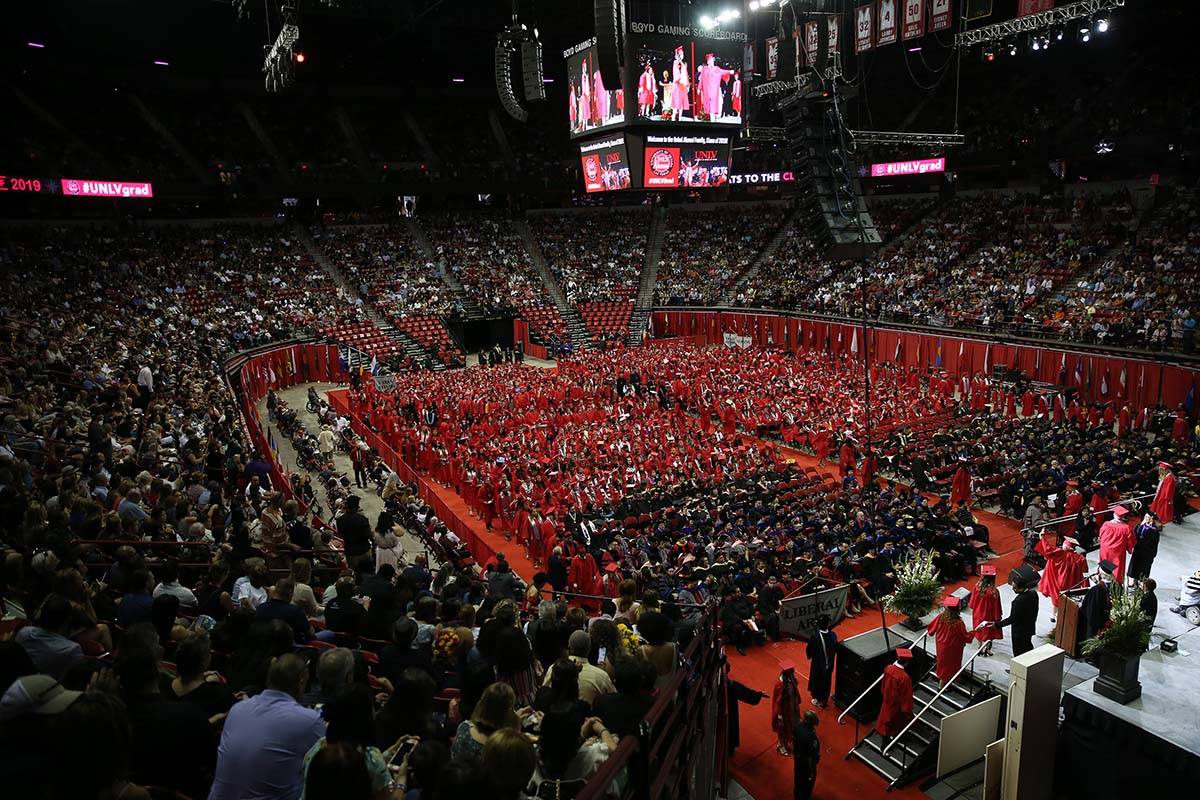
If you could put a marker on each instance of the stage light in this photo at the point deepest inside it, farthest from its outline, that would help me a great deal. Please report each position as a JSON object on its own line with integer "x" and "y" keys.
{"x": 458, "y": 80}
{"x": 1035, "y": 44}
{"x": 728, "y": 14}
{"x": 36, "y": 45}
{"x": 1085, "y": 34}
{"x": 989, "y": 55}
{"x": 1059, "y": 35}
{"x": 754, "y": 5}
{"x": 300, "y": 58}
{"x": 161, "y": 64}
{"x": 707, "y": 22}
{"x": 1102, "y": 25}
{"x": 1012, "y": 48}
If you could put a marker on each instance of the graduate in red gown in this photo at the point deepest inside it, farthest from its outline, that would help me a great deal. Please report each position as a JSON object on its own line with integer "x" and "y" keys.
{"x": 1071, "y": 509}
{"x": 1179, "y": 428}
{"x": 846, "y": 459}
{"x": 1164, "y": 499}
{"x": 785, "y": 706}
{"x": 870, "y": 468}
{"x": 985, "y": 607}
{"x": 960, "y": 486}
{"x": 821, "y": 446}
{"x": 952, "y": 636}
{"x": 1123, "y": 420}
{"x": 1117, "y": 541}
{"x": 1027, "y": 400}
{"x": 1065, "y": 567}
{"x": 896, "y": 708}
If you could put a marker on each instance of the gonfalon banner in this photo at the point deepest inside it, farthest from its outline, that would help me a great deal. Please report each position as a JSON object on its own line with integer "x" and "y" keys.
{"x": 798, "y": 615}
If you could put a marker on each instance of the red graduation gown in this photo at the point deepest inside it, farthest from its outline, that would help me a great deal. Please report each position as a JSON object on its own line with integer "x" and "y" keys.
{"x": 1116, "y": 542}
{"x": 951, "y": 636}
{"x": 1064, "y": 570}
{"x": 1071, "y": 509}
{"x": 985, "y": 607}
{"x": 846, "y": 460}
{"x": 896, "y": 708}
{"x": 960, "y": 487}
{"x": 785, "y": 712}
{"x": 1164, "y": 500}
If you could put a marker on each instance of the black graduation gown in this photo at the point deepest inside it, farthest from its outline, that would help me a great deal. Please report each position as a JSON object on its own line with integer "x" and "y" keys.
{"x": 821, "y": 661}
{"x": 1094, "y": 611}
{"x": 739, "y": 693}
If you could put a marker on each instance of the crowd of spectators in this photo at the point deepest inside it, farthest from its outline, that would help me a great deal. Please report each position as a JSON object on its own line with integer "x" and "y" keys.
{"x": 595, "y": 257}
{"x": 388, "y": 268}
{"x": 705, "y": 252}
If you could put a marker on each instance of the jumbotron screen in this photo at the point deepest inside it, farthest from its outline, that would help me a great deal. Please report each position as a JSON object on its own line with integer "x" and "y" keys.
{"x": 605, "y": 164}
{"x": 592, "y": 106}
{"x": 683, "y": 79}
{"x": 683, "y": 161}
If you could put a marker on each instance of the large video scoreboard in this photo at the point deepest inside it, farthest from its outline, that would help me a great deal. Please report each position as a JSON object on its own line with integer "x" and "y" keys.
{"x": 672, "y": 122}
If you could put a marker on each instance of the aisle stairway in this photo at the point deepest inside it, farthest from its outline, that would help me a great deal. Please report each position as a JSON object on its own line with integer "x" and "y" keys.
{"x": 580, "y": 338}
{"x": 412, "y": 348}
{"x": 767, "y": 251}
{"x": 644, "y": 303}
{"x": 915, "y": 752}
{"x": 470, "y": 308}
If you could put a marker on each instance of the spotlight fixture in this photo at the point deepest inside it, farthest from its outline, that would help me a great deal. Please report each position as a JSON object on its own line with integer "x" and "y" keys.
{"x": 1035, "y": 43}
{"x": 1085, "y": 34}
{"x": 1012, "y": 48}
{"x": 278, "y": 64}
{"x": 1102, "y": 25}
{"x": 1058, "y": 35}
{"x": 989, "y": 54}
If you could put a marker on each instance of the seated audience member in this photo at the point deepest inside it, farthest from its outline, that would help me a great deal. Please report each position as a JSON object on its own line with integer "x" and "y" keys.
{"x": 349, "y": 719}
{"x": 339, "y": 772}
{"x": 344, "y": 612}
{"x": 509, "y": 761}
{"x": 623, "y": 711}
{"x": 496, "y": 710}
{"x": 168, "y": 583}
{"x": 409, "y": 711}
{"x": 280, "y": 606}
{"x": 136, "y": 604}
{"x": 46, "y": 642}
{"x": 265, "y": 738}
{"x": 335, "y": 672}
{"x": 195, "y": 683}
{"x": 570, "y": 750}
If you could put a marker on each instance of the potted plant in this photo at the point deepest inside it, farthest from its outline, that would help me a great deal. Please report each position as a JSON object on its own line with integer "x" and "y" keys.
{"x": 1119, "y": 646}
{"x": 917, "y": 589}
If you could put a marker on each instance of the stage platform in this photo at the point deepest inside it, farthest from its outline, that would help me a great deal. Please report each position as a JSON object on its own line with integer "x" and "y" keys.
{"x": 1151, "y": 743}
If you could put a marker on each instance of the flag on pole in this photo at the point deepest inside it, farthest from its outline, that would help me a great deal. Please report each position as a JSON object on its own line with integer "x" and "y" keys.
{"x": 938, "y": 360}
{"x": 899, "y": 349}
{"x": 1122, "y": 380}
{"x": 1079, "y": 372}
{"x": 1104, "y": 384}
{"x": 374, "y": 365}
{"x": 987, "y": 360}
{"x": 1062, "y": 371}
{"x": 854, "y": 341}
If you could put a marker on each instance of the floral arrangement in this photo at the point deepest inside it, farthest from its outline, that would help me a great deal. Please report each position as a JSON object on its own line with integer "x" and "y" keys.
{"x": 628, "y": 639}
{"x": 444, "y": 646}
{"x": 1127, "y": 631}
{"x": 917, "y": 586}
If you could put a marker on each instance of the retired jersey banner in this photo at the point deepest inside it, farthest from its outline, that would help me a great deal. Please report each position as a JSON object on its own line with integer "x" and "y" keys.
{"x": 835, "y": 29}
{"x": 810, "y": 44}
{"x": 914, "y": 19}
{"x": 939, "y": 15}
{"x": 772, "y": 57}
{"x": 887, "y": 23}
{"x": 748, "y": 59}
{"x": 1027, "y": 7}
{"x": 798, "y": 615}
{"x": 864, "y": 27}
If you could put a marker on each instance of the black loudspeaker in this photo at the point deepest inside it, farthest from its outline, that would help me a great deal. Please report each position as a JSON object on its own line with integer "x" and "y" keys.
{"x": 827, "y": 178}
{"x": 503, "y": 74}
{"x": 531, "y": 70}
{"x": 610, "y": 40}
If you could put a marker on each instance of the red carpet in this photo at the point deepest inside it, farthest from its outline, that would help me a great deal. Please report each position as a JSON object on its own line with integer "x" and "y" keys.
{"x": 494, "y": 538}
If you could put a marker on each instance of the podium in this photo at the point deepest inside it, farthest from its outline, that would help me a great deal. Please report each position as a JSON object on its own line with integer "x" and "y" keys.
{"x": 1066, "y": 629}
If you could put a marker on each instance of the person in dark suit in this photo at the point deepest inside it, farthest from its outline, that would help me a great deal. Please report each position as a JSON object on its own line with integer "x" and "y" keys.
{"x": 1022, "y": 616}
{"x": 806, "y": 752}
{"x": 822, "y": 653}
{"x": 355, "y": 533}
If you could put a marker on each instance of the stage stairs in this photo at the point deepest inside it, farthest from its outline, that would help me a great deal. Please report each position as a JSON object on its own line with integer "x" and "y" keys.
{"x": 470, "y": 309}
{"x": 915, "y": 753}
{"x": 581, "y": 338}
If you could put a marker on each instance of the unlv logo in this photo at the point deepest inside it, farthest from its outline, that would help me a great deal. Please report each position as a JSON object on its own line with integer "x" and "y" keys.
{"x": 591, "y": 168}
{"x": 706, "y": 155}
{"x": 662, "y": 162}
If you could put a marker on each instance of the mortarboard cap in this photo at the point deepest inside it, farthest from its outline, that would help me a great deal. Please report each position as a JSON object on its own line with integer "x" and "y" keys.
{"x": 988, "y": 570}
{"x": 903, "y": 653}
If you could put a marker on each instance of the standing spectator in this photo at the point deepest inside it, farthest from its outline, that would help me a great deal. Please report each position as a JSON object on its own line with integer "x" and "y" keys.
{"x": 355, "y": 533}
{"x": 806, "y": 748}
{"x": 266, "y": 737}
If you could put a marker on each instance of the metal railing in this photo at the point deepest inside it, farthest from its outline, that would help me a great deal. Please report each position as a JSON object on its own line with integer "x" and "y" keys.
{"x": 867, "y": 691}
{"x": 934, "y": 699}
{"x": 1133, "y": 503}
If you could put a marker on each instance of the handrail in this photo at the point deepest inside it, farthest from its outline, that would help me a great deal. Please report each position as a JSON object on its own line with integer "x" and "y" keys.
{"x": 866, "y": 691}
{"x": 932, "y": 700}
{"x": 1059, "y": 520}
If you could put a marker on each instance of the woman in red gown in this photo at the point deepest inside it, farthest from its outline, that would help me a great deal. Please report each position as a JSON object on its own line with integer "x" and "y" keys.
{"x": 951, "y": 636}
{"x": 985, "y": 607}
